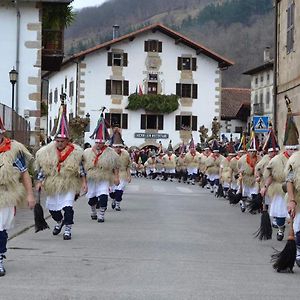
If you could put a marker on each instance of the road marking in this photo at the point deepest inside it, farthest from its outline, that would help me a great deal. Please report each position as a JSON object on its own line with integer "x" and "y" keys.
{"x": 184, "y": 189}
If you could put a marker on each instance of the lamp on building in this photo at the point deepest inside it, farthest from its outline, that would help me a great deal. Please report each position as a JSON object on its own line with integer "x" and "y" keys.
{"x": 13, "y": 78}
{"x": 87, "y": 128}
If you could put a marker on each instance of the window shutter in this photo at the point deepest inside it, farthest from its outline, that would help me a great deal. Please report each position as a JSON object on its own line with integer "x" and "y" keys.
{"x": 108, "y": 118}
{"x": 143, "y": 121}
{"x": 178, "y": 89}
{"x": 179, "y": 63}
{"x": 109, "y": 59}
{"x": 125, "y": 59}
{"x": 177, "y": 123}
{"x": 125, "y": 121}
{"x": 126, "y": 88}
{"x": 160, "y": 122}
{"x": 146, "y": 44}
{"x": 195, "y": 91}
{"x": 108, "y": 87}
{"x": 194, "y": 123}
{"x": 194, "y": 64}
{"x": 159, "y": 46}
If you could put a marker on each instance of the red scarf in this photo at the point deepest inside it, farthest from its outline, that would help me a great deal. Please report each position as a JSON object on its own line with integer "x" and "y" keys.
{"x": 214, "y": 156}
{"x": 251, "y": 161}
{"x": 63, "y": 155}
{"x": 228, "y": 158}
{"x": 5, "y": 145}
{"x": 98, "y": 154}
{"x": 170, "y": 156}
{"x": 285, "y": 153}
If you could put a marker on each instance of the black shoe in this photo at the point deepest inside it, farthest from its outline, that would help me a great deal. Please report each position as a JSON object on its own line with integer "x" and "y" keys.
{"x": 118, "y": 209}
{"x": 279, "y": 237}
{"x": 2, "y": 269}
{"x": 243, "y": 207}
{"x": 57, "y": 228}
{"x": 113, "y": 205}
{"x": 100, "y": 220}
{"x": 67, "y": 236}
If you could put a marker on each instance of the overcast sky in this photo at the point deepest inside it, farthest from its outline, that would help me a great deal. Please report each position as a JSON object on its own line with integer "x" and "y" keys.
{"x": 77, "y": 4}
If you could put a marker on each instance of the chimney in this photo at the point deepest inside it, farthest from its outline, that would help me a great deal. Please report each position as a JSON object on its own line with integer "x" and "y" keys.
{"x": 267, "y": 55}
{"x": 115, "y": 31}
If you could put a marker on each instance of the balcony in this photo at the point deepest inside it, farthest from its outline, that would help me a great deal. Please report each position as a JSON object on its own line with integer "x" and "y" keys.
{"x": 52, "y": 50}
{"x": 258, "y": 109}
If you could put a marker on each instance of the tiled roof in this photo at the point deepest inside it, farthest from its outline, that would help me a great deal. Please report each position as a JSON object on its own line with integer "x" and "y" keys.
{"x": 264, "y": 67}
{"x": 178, "y": 37}
{"x": 233, "y": 100}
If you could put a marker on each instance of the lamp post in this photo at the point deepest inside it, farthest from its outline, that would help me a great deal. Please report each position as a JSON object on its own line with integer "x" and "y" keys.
{"x": 13, "y": 78}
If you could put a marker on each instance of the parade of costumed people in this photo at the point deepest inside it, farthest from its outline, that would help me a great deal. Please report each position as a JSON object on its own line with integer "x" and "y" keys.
{"x": 61, "y": 175}
{"x": 159, "y": 163}
{"x": 192, "y": 160}
{"x": 101, "y": 164}
{"x": 202, "y": 165}
{"x": 15, "y": 188}
{"x": 169, "y": 161}
{"x": 181, "y": 166}
{"x": 150, "y": 165}
{"x": 117, "y": 190}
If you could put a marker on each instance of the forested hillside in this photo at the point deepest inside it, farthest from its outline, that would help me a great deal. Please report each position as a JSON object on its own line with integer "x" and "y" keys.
{"x": 236, "y": 29}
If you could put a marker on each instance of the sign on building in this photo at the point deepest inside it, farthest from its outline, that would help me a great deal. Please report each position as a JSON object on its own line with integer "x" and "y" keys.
{"x": 154, "y": 136}
{"x": 261, "y": 124}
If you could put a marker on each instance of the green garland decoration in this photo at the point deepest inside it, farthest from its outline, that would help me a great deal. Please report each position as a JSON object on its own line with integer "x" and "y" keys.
{"x": 153, "y": 103}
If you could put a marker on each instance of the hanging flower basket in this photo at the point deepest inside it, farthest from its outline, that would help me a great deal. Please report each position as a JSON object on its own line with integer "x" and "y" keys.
{"x": 153, "y": 103}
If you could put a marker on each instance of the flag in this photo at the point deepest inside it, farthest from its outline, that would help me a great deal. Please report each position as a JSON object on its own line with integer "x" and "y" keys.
{"x": 140, "y": 90}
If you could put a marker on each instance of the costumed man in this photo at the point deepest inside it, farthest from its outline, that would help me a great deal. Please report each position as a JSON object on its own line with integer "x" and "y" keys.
{"x": 61, "y": 174}
{"x": 192, "y": 160}
{"x": 181, "y": 165}
{"x": 124, "y": 169}
{"x": 235, "y": 165}
{"x": 140, "y": 168}
{"x": 15, "y": 188}
{"x": 169, "y": 161}
{"x": 292, "y": 172}
{"x": 151, "y": 165}
{"x": 202, "y": 165}
{"x": 247, "y": 163}
{"x": 226, "y": 170}
{"x": 101, "y": 164}
{"x": 274, "y": 179}
{"x": 159, "y": 163}
{"x": 212, "y": 170}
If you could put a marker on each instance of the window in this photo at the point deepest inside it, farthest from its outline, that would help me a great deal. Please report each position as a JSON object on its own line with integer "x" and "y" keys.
{"x": 55, "y": 95}
{"x": 186, "y": 123}
{"x": 256, "y": 80}
{"x": 62, "y": 89}
{"x": 117, "y": 59}
{"x": 268, "y": 99}
{"x": 153, "y": 77}
{"x": 120, "y": 119}
{"x": 255, "y": 99}
{"x": 262, "y": 78}
{"x": 187, "y": 90}
{"x": 268, "y": 77}
{"x": 117, "y": 87}
{"x": 290, "y": 26}
{"x": 152, "y": 122}
{"x": 66, "y": 83}
{"x": 50, "y": 97}
{"x": 71, "y": 88}
{"x": 152, "y": 88}
{"x": 187, "y": 63}
{"x": 153, "y": 46}
{"x": 239, "y": 129}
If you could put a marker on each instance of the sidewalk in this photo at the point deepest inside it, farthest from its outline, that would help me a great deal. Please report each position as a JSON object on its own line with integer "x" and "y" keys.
{"x": 25, "y": 219}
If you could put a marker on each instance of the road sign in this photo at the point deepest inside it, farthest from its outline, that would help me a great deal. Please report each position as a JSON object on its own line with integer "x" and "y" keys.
{"x": 261, "y": 124}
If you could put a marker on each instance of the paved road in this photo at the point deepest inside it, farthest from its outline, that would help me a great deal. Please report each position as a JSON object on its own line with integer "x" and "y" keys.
{"x": 170, "y": 241}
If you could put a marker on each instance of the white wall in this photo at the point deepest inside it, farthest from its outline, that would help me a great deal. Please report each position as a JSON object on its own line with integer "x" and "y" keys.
{"x": 97, "y": 72}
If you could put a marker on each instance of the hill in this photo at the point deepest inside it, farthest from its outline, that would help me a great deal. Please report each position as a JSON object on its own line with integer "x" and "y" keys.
{"x": 236, "y": 29}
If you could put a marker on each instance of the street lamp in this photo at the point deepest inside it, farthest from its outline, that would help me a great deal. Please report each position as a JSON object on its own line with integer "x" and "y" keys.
{"x": 13, "y": 78}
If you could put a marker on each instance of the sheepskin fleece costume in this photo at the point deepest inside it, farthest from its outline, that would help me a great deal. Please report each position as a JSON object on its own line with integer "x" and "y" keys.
{"x": 247, "y": 171}
{"x": 261, "y": 170}
{"x": 213, "y": 164}
{"x": 192, "y": 161}
{"x": 226, "y": 171}
{"x": 180, "y": 164}
{"x": 169, "y": 161}
{"x": 234, "y": 165}
{"x": 275, "y": 168}
{"x": 124, "y": 164}
{"x": 104, "y": 167}
{"x": 65, "y": 180}
{"x": 12, "y": 193}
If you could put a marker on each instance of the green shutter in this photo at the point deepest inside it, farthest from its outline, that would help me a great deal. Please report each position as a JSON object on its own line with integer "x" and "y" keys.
{"x": 109, "y": 59}
{"x": 194, "y": 123}
{"x": 108, "y": 87}
{"x": 125, "y": 121}
{"x": 143, "y": 121}
{"x": 177, "y": 123}
{"x": 125, "y": 59}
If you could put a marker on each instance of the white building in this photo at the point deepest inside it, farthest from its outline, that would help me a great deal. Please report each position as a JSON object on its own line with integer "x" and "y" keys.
{"x": 262, "y": 88}
{"x": 156, "y": 60}
{"x": 22, "y": 40}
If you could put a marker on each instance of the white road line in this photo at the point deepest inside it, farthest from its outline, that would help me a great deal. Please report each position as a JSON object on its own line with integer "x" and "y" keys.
{"x": 184, "y": 189}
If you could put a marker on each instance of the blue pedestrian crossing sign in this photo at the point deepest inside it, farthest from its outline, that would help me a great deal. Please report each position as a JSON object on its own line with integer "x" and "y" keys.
{"x": 261, "y": 124}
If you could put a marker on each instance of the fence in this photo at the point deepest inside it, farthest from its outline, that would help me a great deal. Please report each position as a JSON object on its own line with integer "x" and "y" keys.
{"x": 21, "y": 126}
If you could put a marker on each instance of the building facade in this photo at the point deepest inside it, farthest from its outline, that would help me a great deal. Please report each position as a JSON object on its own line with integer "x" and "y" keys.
{"x": 23, "y": 47}
{"x": 154, "y": 60}
{"x": 287, "y": 62}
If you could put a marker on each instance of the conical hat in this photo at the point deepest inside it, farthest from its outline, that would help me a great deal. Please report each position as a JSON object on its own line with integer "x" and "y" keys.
{"x": 62, "y": 127}
{"x": 291, "y": 136}
{"x": 242, "y": 145}
{"x": 170, "y": 148}
{"x": 253, "y": 142}
{"x": 2, "y": 129}
{"x": 215, "y": 146}
{"x": 116, "y": 139}
{"x": 192, "y": 143}
{"x": 271, "y": 143}
{"x": 100, "y": 134}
